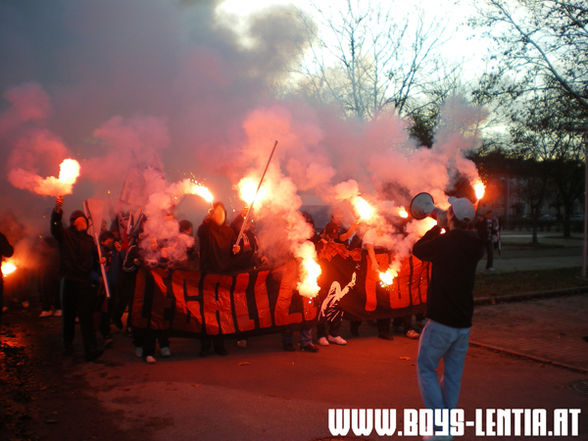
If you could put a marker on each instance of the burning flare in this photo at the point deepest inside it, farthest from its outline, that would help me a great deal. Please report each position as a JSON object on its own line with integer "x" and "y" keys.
{"x": 403, "y": 213}
{"x": 247, "y": 188}
{"x": 69, "y": 170}
{"x": 202, "y": 191}
{"x": 310, "y": 271}
{"x": 425, "y": 225}
{"x": 387, "y": 277}
{"x": 362, "y": 208}
{"x": 8, "y": 268}
{"x": 479, "y": 189}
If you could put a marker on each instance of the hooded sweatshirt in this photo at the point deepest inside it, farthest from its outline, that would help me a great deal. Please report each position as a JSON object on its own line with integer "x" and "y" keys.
{"x": 455, "y": 256}
{"x": 78, "y": 255}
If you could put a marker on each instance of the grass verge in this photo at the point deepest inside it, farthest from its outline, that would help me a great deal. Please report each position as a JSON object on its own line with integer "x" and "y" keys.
{"x": 527, "y": 281}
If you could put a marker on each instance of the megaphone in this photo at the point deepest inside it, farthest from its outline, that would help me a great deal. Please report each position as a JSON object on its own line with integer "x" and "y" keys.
{"x": 422, "y": 205}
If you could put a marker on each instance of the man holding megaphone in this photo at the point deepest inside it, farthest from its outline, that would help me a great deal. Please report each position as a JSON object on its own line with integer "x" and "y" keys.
{"x": 454, "y": 255}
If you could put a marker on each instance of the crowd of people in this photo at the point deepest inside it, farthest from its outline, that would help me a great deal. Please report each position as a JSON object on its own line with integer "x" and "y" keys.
{"x": 71, "y": 286}
{"x": 454, "y": 252}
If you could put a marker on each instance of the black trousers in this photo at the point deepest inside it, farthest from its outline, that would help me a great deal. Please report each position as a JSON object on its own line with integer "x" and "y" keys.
{"x": 126, "y": 287}
{"x": 78, "y": 298}
{"x": 49, "y": 292}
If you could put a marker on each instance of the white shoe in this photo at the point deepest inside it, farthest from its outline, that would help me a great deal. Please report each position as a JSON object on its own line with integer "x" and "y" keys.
{"x": 57, "y": 313}
{"x": 165, "y": 352}
{"x": 337, "y": 340}
{"x": 139, "y": 351}
{"x": 411, "y": 333}
{"x": 150, "y": 359}
{"x": 45, "y": 314}
{"x": 323, "y": 341}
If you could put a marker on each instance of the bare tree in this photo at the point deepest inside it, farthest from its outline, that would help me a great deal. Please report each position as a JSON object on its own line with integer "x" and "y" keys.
{"x": 371, "y": 58}
{"x": 541, "y": 45}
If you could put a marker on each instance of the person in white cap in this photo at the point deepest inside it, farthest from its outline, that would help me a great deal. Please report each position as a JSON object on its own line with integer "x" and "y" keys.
{"x": 450, "y": 305}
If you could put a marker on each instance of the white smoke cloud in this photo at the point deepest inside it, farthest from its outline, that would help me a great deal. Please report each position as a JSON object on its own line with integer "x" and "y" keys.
{"x": 175, "y": 90}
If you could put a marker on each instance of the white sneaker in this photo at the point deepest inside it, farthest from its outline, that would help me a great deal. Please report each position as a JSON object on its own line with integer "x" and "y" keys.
{"x": 323, "y": 341}
{"x": 139, "y": 351}
{"x": 337, "y": 340}
{"x": 411, "y": 333}
{"x": 57, "y": 313}
{"x": 45, "y": 314}
{"x": 150, "y": 359}
{"x": 165, "y": 352}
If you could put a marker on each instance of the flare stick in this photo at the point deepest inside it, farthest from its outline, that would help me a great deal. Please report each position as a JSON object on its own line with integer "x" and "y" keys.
{"x": 255, "y": 197}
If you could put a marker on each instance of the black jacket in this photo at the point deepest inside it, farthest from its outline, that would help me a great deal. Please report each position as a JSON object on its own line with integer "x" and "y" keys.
{"x": 455, "y": 256}
{"x": 78, "y": 254}
{"x": 216, "y": 247}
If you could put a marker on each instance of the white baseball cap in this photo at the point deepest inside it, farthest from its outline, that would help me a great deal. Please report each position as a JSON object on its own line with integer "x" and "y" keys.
{"x": 463, "y": 209}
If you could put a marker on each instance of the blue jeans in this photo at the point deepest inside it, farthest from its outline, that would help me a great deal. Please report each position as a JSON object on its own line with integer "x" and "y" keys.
{"x": 450, "y": 344}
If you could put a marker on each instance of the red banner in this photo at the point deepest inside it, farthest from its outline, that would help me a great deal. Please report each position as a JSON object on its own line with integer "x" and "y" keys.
{"x": 267, "y": 300}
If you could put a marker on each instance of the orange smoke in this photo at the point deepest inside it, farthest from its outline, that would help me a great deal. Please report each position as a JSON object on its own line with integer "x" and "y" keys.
{"x": 8, "y": 267}
{"x": 310, "y": 271}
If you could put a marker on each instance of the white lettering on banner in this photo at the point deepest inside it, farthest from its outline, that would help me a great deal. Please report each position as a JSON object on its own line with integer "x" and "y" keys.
{"x": 452, "y": 422}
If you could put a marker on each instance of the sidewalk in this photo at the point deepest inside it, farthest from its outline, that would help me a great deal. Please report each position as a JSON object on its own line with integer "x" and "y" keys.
{"x": 551, "y": 329}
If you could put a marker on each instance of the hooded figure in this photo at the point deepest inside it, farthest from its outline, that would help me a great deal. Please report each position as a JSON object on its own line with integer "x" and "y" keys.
{"x": 79, "y": 268}
{"x": 216, "y": 240}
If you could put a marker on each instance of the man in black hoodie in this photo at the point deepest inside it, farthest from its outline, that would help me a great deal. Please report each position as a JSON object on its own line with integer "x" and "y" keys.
{"x": 450, "y": 305}
{"x": 79, "y": 270}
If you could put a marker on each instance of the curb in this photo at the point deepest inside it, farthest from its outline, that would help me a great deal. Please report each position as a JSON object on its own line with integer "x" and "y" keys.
{"x": 493, "y": 300}
{"x": 529, "y": 357}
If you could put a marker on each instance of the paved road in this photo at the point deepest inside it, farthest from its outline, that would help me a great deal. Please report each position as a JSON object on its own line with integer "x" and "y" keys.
{"x": 262, "y": 393}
